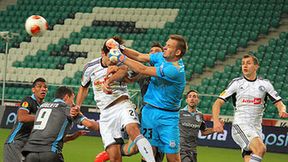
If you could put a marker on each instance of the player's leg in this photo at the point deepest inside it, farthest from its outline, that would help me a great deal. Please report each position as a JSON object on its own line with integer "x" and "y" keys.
{"x": 258, "y": 149}
{"x": 142, "y": 143}
{"x": 173, "y": 157}
{"x": 246, "y": 155}
{"x": 131, "y": 124}
{"x": 114, "y": 153}
{"x": 170, "y": 142}
{"x": 248, "y": 138}
{"x": 129, "y": 148}
{"x": 159, "y": 156}
{"x": 110, "y": 130}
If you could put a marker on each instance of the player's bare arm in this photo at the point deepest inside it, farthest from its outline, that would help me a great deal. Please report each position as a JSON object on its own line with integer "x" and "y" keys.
{"x": 281, "y": 109}
{"x": 116, "y": 73}
{"x": 82, "y": 94}
{"x": 135, "y": 55}
{"x": 135, "y": 78}
{"x": 140, "y": 68}
{"x": 24, "y": 116}
{"x": 75, "y": 135}
{"x": 208, "y": 131}
{"x": 90, "y": 124}
{"x": 217, "y": 126}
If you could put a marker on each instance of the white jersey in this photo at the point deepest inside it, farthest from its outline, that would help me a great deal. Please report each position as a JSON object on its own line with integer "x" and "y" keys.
{"x": 94, "y": 72}
{"x": 249, "y": 98}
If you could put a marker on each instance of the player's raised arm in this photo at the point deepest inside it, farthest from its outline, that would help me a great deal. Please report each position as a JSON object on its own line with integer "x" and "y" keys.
{"x": 116, "y": 73}
{"x": 140, "y": 68}
{"x": 217, "y": 126}
{"x": 82, "y": 94}
{"x": 135, "y": 55}
{"x": 281, "y": 109}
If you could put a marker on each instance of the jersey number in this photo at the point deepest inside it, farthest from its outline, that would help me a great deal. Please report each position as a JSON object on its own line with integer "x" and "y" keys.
{"x": 42, "y": 119}
{"x": 147, "y": 132}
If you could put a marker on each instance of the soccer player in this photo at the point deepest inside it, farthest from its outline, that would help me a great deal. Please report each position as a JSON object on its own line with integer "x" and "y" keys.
{"x": 249, "y": 94}
{"x": 51, "y": 124}
{"x": 190, "y": 122}
{"x": 116, "y": 110}
{"x": 24, "y": 124}
{"x": 160, "y": 114}
{"x": 130, "y": 148}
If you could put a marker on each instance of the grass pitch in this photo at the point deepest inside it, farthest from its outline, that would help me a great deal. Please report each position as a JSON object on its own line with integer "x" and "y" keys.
{"x": 85, "y": 148}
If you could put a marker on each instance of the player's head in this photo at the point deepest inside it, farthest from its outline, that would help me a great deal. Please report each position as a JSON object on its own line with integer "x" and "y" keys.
{"x": 192, "y": 98}
{"x": 39, "y": 89}
{"x": 105, "y": 50}
{"x": 66, "y": 94}
{"x": 175, "y": 48}
{"x": 156, "y": 47}
{"x": 250, "y": 65}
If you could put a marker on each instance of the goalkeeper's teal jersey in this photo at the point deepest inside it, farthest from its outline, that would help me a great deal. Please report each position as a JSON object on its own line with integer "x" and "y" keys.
{"x": 165, "y": 90}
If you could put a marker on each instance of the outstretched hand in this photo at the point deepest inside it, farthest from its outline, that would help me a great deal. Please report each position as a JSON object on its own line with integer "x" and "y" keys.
{"x": 81, "y": 132}
{"x": 111, "y": 70}
{"x": 111, "y": 44}
{"x": 218, "y": 126}
{"x": 75, "y": 110}
{"x": 106, "y": 87}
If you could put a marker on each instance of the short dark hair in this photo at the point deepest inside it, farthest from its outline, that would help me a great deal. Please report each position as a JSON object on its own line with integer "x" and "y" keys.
{"x": 181, "y": 43}
{"x": 157, "y": 44}
{"x": 62, "y": 91}
{"x": 117, "y": 39}
{"x": 192, "y": 90}
{"x": 38, "y": 80}
{"x": 255, "y": 60}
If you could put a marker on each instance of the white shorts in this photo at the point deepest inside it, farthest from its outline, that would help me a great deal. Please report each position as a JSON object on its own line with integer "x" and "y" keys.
{"x": 242, "y": 134}
{"x": 115, "y": 118}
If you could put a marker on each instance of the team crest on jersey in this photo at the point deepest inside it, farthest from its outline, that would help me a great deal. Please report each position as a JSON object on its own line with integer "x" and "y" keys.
{"x": 172, "y": 144}
{"x": 262, "y": 88}
{"x": 198, "y": 119}
{"x": 25, "y": 104}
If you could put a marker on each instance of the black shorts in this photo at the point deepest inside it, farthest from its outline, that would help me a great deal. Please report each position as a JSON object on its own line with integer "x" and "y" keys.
{"x": 188, "y": 156}
{"x": 43, "y": 157}
{"x": 12, "y": 151}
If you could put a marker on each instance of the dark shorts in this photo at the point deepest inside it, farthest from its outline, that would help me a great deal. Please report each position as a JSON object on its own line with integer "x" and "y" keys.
{"x": 43, "y": 157}
{"x": 188, "y": 156}
{"x": 12, "y": 151}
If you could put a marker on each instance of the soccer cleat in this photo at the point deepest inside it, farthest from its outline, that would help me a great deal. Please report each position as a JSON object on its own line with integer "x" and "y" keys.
{"x": 102, "y": 157}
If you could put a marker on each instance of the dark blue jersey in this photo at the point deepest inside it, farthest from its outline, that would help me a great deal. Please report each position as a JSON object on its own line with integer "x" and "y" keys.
{"x": 50, "y": 127}
{"x": 20, "y": 130}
